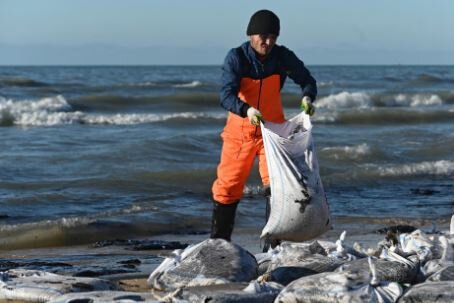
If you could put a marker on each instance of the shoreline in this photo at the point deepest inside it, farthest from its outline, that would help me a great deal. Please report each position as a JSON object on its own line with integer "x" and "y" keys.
{"x": 88, "y": 257}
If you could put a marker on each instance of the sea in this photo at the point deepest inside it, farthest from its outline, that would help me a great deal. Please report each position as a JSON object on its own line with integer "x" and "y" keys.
{"x": 90, "y": 153}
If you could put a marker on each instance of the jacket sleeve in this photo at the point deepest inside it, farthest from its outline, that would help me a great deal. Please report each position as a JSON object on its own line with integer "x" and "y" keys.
{"x": 297, "y": 71}
{"x": 230, "y": 85}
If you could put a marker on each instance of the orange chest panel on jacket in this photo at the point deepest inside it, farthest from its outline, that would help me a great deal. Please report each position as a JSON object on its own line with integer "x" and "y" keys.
{"x": 265, "y": 96}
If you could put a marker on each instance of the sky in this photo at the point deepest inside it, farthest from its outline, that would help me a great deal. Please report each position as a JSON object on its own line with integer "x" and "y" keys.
{"x": 171, "y": 32}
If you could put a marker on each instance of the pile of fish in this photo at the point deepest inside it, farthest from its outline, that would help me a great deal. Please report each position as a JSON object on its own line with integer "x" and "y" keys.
{"x": 404, "y": 267}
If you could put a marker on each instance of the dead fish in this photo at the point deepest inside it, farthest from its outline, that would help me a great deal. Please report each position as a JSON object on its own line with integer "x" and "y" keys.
{"x": 290, "y": 261}
{"x": 105, "y": 296}
{"x": 344, "y": 252}
{"x": 340, "y": 287}
{"x": 301, "y": 267}
{"x": 213, "y": 261}
{"x": 287, "y": 251}
{"x": 418, "y": 241}
{"x": 228, "y": 293}
{"x": 394, "y": 269}
{"x": 264, "y": 260}
{"x": 258, "y": 287}
{"x": 40, "y": 286}
{"x": 436, "y": 292}
{"x": 447, "y": 258}
{"x": 444, "y": 274}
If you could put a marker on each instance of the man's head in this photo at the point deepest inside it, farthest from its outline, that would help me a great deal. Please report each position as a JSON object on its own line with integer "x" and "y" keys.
{"x": 263, "y": 29}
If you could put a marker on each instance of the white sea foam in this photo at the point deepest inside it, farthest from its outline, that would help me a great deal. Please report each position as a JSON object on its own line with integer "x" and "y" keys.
{"x": 56, "y": 110}
{"x": 190, "y": 84}
{"x": 71, "y": 222}
{"x": 131, "y": 119}
{"x": 253, "y": 189}
{"x": 45, "y": 224}
{"x": 442, "y": 167}
{"x": 418, "y": 100}
{"x": 324, "y": 83}
{"x": 327, "y": 117}
{"x": 350, "y": 152}
{"x": 147, "y": 83}
{"x": 345, "y": 99}
{"x": 46, "y": 111}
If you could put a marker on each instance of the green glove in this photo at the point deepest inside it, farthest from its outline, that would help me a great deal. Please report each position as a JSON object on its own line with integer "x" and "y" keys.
{"x": 306, "y": 106}
{"x": 254, "y": 116}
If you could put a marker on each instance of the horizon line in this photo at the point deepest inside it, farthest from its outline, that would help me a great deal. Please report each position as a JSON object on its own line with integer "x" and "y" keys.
{"x": 216, "y": 65}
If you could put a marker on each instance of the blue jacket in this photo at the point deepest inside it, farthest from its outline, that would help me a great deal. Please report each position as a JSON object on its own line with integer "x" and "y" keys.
{"x": 281, "y": 60}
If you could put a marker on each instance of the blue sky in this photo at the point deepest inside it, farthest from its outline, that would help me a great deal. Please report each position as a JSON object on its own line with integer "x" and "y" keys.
{"x": 201, "y": 32}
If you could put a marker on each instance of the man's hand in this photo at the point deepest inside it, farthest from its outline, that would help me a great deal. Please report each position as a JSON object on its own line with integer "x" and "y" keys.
{"x": 254, "y": 116}
{"x": 306, "y": 106}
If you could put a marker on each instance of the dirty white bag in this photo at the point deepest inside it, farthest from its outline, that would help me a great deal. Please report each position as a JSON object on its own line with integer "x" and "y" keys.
{"x": 299, "y": 209}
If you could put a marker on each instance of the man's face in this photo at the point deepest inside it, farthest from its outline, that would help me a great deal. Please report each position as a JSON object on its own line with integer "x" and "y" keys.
{"x": 263, "y": 43}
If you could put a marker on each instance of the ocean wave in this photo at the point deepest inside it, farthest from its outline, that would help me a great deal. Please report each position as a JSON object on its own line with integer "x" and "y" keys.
{"x": 374, "y": 116}
{"x": 347, "y": 152}
{"x": 392, "y": 79}
{"x": 22, "y": 82}
{"x": 164, "y": 84}
{"x": 437, "y": 168}
{"x": 117, "y": 102}
{"x": 144, "y": 84}
{"x": 368, "y": 100}
{"x": 325, "y": 83}
{"x": 417, "y": 100}
{"x": 190, "y": 84}
{"x": 56, "y": 110}
{"x": 373, "y": 173}
{"x": 188, "y": 100}
{"x": 143, "y": 218}
{"x": 427, "y": 78}
{"x": 76, "y": 230}
{"x": 130, "y": 119}
{"x": 53, "y": 110}
{"x": 345, "y": 100}
{"x": 324, "y": 117}
{"x": 387, "y": 115}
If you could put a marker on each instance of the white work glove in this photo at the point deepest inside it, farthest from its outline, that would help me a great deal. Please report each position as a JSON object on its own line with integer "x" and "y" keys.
{"x": 254, "y": 116}
{"x": 306, "y": 106}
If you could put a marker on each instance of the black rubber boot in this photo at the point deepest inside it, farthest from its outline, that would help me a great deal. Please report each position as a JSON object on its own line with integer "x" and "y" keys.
{"x": 269, "y": 242}
{"x": 223, "y": 220}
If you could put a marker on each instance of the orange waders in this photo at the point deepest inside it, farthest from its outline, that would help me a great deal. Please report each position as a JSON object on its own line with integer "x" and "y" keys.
{"x": 243, "y": 141}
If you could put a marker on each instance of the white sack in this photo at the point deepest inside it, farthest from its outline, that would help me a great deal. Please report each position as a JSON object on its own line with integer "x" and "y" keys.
{"x": 299, "y": 209}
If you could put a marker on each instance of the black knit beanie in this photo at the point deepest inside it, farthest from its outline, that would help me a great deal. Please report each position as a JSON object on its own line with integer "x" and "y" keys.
{"x": 263, "y": 22}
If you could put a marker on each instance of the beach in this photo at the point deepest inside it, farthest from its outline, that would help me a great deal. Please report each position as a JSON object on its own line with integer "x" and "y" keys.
{"x": 101, "y": 262}
{"x": 101, "y": 153}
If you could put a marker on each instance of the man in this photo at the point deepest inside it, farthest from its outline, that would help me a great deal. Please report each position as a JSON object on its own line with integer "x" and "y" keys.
{"x": 252, "y": 78}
